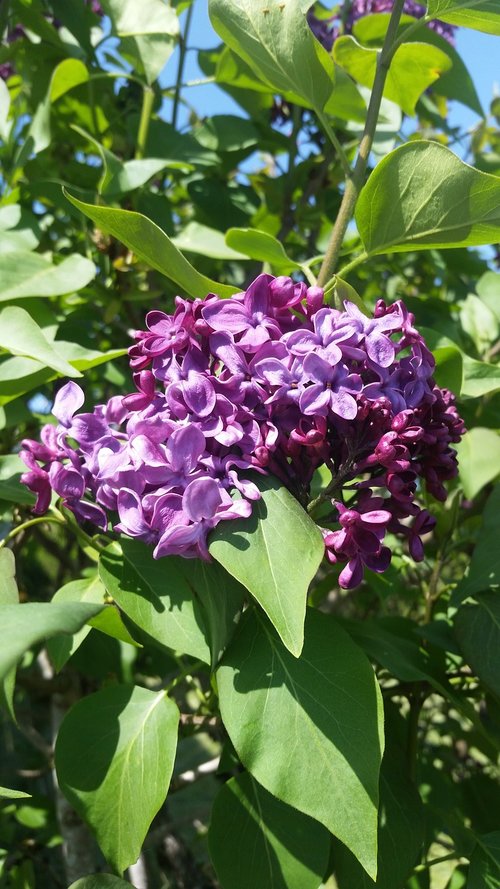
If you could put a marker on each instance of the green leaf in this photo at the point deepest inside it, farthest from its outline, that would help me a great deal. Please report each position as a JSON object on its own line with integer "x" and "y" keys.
{"x": 414, "y": 67}
{"x": 401, "y": 824}
{"x": 256, "y": 840}
{"x": 477, "y": 628}
{"x": 87, "y": 589}
{"x": 26, "y": 625}
{"x": 478, "y": 459}
{"x": 481, "y": 15}
{"x": 346, "y": 100}
{"x": 135, "y": 173}
{"x": 9, "y": 595}
{"x": 153, "y": 246}
{"x": 484, "y": 568}
{"x": 274, "y": 39}
{"x": 340, "y": 291}
{"x": 82, "y": 358}
{"x": 261, "y": 246}
{"x": 226, "y": 132}
{"x": 25, "y": 274}
{"x": 449, "y": 371}
{"x": 261, "y": 550}
{"x": 488, "y": 288}
{"x": 308, "y": 729}
{"x": 392, "y": 643}
{"x": 68, "y": 74}
{"x": 197, "y": 238}
{"x": 479, "y": 322}
{"x": 484, "y": 870}
{"x": 149, "y": 32}
{"x": 456, "y": 83}
{"x": 421, "y": 195}
{"x": 20, "y": 229}
{"x": 480, "y": 378}
{"x": 184, "y": 605}
{"x": 114, "y": 758}
{"x": 20, "y": 335}
{"x": 6, "y": 793}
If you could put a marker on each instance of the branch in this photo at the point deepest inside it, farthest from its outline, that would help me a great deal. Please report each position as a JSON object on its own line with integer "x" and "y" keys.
{"x": 355, "y": 182}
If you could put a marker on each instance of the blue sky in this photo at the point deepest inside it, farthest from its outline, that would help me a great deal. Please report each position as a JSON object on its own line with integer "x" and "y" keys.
{"x": 480, "y": 53}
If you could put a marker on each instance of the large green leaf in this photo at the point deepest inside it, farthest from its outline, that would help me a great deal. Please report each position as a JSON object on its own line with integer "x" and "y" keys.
{"x": 401, "y": 823}
{"x": 185, "y": 605}
{"x": 20, "y": 335}
{"x": 478, "y": 459}
{"x": 477, "y": 627}
{"x": 25, "y": 274}
{"x": 275, "y": 554}
{"x": 484, "y": 568}
{"x": 257, "y": 841}
{"x": 414, "y": 67}
{"x": 114, "y": 758}
{"x": 261, "y": 246}
{"x": 148, "y": 30}
{"x": 152, "y": 245}
{"x": 484, "y": 871}
{"x": 309, "y": 729}
{"x": 25, "y": 625}
{"x": 482, "y": 15}
{"x": 274, "y": 39}
{"x": 421, "y": 195}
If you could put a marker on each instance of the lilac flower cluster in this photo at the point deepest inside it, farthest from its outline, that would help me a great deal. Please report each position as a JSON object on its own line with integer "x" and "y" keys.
{"x": 343, "y": 20}
{"x": 273, "y": 381}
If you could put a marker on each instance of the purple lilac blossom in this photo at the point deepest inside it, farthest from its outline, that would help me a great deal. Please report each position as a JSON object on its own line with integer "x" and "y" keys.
{"x": 342, "y": 21}
{"x": 269, "y": 381}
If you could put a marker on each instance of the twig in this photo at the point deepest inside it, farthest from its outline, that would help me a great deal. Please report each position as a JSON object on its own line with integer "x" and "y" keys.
{"x": 355, "y": 182}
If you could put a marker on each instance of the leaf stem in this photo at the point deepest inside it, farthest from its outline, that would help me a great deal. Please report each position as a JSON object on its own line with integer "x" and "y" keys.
{"x": 180, "y": 69}
{"x": 186, "y": 675}
{"x": 145, "y": 119}
{"x": 422, "y": 867}
{"x": 353, "y": 264}
{"x": 355, "y": 181}
{"x": 29, "y": 524}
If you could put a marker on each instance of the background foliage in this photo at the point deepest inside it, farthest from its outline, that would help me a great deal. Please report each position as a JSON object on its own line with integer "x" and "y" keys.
{"x": 109, "y": 207}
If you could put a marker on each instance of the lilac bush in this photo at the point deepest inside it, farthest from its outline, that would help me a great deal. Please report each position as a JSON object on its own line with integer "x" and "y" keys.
{"x": 347, "y": 14}
{"x": 270, "y": 381}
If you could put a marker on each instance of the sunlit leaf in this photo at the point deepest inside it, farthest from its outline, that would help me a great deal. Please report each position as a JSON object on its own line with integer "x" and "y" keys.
{"x": 152, "y": 245}
{"x": 421, "y": 195}
{"x": 278, "y": 709}
{"x": 114, "y": 758}
{"x": 258, "y": 551}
